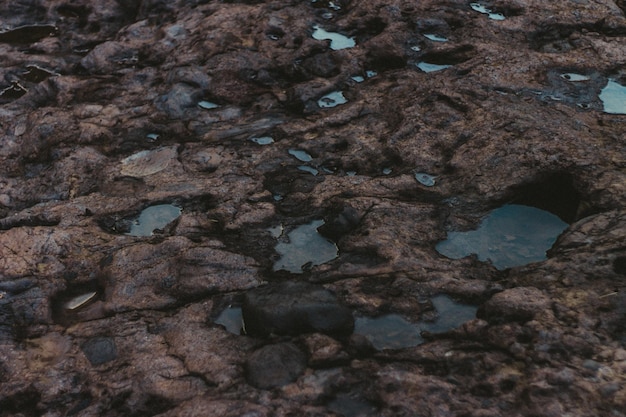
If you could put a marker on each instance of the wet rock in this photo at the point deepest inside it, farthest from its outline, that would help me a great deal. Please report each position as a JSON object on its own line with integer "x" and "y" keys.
{"x": 275, "y": 365}
{"x": 293, "y": 308}
{"x": 516, "y": 304}
{"x": 99, "y": 350}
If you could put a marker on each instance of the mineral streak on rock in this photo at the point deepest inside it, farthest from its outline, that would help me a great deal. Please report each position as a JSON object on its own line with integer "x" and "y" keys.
{"x": 110, "y": 107}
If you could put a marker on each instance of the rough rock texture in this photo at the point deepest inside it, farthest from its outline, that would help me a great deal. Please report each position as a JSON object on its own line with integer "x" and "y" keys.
{"x": 101, "y": 116}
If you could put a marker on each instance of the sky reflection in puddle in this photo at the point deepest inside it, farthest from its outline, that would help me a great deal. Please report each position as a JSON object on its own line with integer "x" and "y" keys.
{"x": 613, "y": 97}
{"x": 152, "y": 218}
{"x": 337, "y": 40}
{"x": 392, "y": 331}
{"x": 509, "y": 236}
{"x": 332, "y": 99}
{"x": 435, "y": 38}
{"x": 231, "y": 319}
{"x": 304, "y": 247}
{"x": 428, "y": 67}
{"x": 483, "y": 9}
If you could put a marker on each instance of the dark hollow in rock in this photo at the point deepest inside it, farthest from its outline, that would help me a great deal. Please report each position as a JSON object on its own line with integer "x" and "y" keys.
{"x": 275, "y": 365}
{"x": 619, "y": 265}
{"x": 99, "y": 350}
{"x": 339, "y": 224}
{"x": 554, "y": 192}
{"x": 293, "y": 308}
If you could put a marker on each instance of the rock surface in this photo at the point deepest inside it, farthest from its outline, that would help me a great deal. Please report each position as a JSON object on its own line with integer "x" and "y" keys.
{"x": 109, "y": 107}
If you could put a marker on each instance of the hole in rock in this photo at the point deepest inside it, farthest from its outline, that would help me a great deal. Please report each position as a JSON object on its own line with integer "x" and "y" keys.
{"x": 511, "y": 235}
{"x": 392, "y": 331}
{"x": 619, "y": 265}
{"x": 153, "y": 218}
{"x": 552, "y": 192}
{"x": 28, "y": 34}
{"x": 68, "y": 306}
{"x": 304, "y": 248}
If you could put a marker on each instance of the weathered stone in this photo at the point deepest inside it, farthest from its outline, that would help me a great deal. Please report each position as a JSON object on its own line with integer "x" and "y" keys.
{"x": 275, "y": 365}
{"x": 99, "y": 350}
{"x": 517, "y": 304}
{"x": 293, "y": 308}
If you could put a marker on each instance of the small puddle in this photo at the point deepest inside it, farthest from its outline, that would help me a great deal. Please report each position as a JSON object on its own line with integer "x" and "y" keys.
{"x": 263, "y": 140}
{"x": 509, "y": 236}
{"x": 392, "y": 331}
{"x": 153, "y": 218}
{"x": 426, "y": 180}
{"x": 337, "y": 40}
{"x": 613, "y": 97}
{"x": 300, "y": 155}
{"x": 435, "y": 38}
{"x": 360, "y": 78}
{"x": 304, "y": 248}
{"x": 36, "y": 74}
{"x": 308, "y": 169}
{"x": 573, "y": 77}
{"x": 232, "y": 319}
{"x": 484, "y": 10}
{"x": 207, "y": 105}
{"x": 428, "y": 67}
{"x": 332, "y": 100}
{"x": 14, "y": 91}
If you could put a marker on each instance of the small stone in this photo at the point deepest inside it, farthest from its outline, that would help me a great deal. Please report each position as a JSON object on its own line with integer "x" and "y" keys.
{"x": 292, "y": 308}
{"x": 99, "y": 350}
{"x": 275, "y": 365}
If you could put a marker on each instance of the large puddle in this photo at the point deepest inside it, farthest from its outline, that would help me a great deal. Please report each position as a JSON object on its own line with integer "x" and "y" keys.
{"x": 613, "y": 97}
{"x": 392, "y": 331}
{"x": 304, "y": 248}
{"x": 337, "y": 40}
{"x": 153, "y": 218}
{"x": 509, "y": 236}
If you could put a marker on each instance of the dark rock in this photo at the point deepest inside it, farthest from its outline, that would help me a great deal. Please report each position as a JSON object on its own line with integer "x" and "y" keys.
{"x": 294, "y": 308}
{"x": 99, "y": 350}
{"x": 275, "y": 365}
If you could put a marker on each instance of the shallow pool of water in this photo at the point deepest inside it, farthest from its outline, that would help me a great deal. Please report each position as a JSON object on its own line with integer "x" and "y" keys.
{"x": 300, "y": 155}
{"x": 426, "y": 180}
{"x": 483, "y": 9}
{"x": 332, "y": 99}
{"x": 436, "y": 38}
{"x": 613, "y": 97}
{"x": 573, "y": 77}
{"x": 303, "y": 248}
{"x": 152, "y": 218}
{"x": 207, "y": 105}
{"x": 337, "y": 40}
{"x": 392, "y": 331}
{"x": 509, "y": 236}
{"x": 263, "y": 140}
{"x": 428, "y": 67}
{"x": 308, "y": 169}
{"x": 231, "y": 318}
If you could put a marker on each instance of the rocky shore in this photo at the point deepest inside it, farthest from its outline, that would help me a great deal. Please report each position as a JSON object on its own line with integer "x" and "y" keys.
{"x": 168, "y": 168}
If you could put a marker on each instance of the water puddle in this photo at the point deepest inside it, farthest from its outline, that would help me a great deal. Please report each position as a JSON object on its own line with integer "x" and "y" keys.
{"x": 153, "y": 218}
{"x": 426, "y": 180}
{"x": 387, "y": 171}
{"x": 509, "y": 236}
{"x": 613, "y": 98}
{"x": 152, "y": 137}
{"x": 263, "y": 140}
{"x": 232, "y": 319}
{"x": 332, "y": 100}
{"x": 484, "y": 10}
{"x": 435, "y": 38}
{"x": 392, "y": 331}
{"x": 573, "y": 77}
{"x": 428, "y": 67}
{"x": 207, "y": 105}
{"x": 360, "y": 78}
{"x": 337, "y": 40}
{"x": 300, "y": 155}
{"x": 80, "y": 300}
{"x": 308, "y": 169}
{"x": 304, "y": 248}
